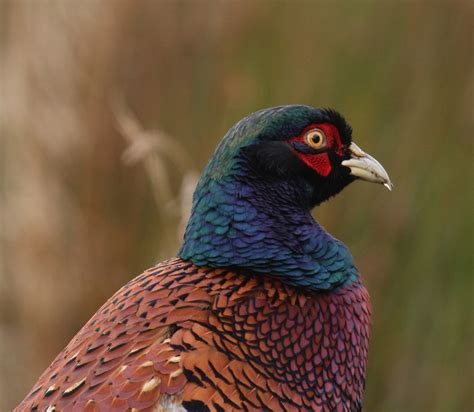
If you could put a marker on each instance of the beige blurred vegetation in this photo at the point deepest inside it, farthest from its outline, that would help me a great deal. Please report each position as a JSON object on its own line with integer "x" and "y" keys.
{"x": 108, "y": 109}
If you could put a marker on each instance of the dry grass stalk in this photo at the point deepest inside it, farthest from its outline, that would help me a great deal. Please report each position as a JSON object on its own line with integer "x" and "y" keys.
{"x": 153, "y": 148}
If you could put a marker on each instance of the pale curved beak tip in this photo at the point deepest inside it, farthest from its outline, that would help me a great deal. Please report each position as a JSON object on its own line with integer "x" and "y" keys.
{"x": 389, "y": 186}
{"x": 366, "y": 167}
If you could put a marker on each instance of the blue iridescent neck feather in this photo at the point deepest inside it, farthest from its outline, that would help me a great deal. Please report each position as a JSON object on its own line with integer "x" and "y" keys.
{"x": 240, "y": 220}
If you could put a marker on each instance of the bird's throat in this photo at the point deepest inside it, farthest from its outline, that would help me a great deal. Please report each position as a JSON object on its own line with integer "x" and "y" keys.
{"x": 264, "y": 227}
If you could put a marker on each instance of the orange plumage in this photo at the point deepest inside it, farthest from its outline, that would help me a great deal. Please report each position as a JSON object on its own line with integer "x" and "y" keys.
{"x": 179, "y": 334}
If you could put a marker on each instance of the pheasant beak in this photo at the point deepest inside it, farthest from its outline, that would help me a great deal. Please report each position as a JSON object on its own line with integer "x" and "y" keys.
{"x": 365, "y": 167}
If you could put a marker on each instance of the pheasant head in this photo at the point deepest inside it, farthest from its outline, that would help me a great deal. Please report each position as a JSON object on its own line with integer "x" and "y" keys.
{"x": 252, "y": 206}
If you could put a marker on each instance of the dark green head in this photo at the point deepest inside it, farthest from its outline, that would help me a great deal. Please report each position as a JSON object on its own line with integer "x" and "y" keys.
{"x": 251, "y": 208}
{"x": 276, "y": 144}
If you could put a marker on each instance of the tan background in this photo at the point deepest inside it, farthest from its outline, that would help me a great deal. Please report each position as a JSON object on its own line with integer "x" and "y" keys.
{"x": 79, "y": 218}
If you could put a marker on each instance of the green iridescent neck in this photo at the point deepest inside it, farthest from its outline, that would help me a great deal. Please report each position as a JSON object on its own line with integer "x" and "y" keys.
{"x": 239, "y": 221}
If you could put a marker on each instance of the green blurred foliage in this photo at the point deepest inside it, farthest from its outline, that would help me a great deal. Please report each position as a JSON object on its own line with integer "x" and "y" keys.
{"x": 77, "y": 223}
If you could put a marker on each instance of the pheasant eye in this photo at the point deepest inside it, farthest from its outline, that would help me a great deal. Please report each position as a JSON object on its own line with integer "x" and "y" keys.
{"x": 315, "y": 138}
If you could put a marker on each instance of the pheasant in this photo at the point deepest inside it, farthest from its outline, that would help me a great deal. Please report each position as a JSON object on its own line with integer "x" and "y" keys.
{"x": 261, "y": 310}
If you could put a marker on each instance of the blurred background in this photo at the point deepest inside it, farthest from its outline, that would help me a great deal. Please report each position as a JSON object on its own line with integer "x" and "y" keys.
{"x": 110, "y": 108}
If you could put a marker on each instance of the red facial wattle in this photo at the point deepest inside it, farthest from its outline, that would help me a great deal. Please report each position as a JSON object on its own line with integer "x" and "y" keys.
{"x": 320, "y": 162}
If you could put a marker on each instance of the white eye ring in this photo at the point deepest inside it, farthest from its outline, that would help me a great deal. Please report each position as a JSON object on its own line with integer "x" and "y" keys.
{"x": 315, "y": 138}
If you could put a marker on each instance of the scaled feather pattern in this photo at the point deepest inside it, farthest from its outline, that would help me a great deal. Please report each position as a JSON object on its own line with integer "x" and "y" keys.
{"x": 212, "y": 339}
{"x": 262, "y": 310}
